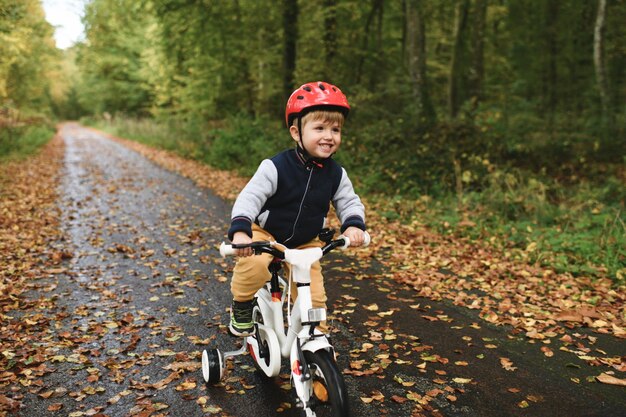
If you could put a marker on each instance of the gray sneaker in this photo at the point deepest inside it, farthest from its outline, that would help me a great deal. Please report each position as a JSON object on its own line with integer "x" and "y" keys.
{"x": 241, "y": 324}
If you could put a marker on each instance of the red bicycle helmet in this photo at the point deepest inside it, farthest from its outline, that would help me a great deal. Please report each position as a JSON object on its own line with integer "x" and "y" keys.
{"x": 318, "y": 94}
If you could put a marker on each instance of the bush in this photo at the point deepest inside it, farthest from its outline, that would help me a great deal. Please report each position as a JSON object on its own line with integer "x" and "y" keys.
{"x": 578, "y": 229}
{"x": 20, "y": 141}
{"x": 244, "y": 142}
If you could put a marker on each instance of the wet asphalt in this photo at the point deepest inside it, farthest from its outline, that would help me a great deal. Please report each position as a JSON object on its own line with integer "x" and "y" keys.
{"x": 145, "y": 291}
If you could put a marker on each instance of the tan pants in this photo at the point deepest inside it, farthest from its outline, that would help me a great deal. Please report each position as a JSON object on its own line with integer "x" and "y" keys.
{"x": 251, "y": 273}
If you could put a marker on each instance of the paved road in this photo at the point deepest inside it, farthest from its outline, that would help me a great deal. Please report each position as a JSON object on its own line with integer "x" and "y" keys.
{"x": 146, "y": 291}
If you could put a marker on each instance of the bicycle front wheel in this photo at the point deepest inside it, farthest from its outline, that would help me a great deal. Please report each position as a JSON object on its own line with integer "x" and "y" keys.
{"x": 328, "y": 389}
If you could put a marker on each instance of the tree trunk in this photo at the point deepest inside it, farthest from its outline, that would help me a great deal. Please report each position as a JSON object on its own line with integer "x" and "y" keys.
{"x": 245, "y": 91}
{"x": 551, "y": 69}
{"x": 454, "y": 80}
{"x": 330, "y": 38}
{"x": 598, "y": 60}
{"x": 416, "y": 56}
{"x": 290, "y": 28}
{"x": 477, "y": 69}
{"x": 377, "y": 8}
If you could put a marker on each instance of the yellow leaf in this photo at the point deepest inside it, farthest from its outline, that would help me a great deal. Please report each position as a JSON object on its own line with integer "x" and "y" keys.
{"x": 186, "y": 385}
{"x": 462, "y": 380}
{"x": 532, "y": 246}
{"x": 165, "y": 352}
{"x": 211, "y": 409}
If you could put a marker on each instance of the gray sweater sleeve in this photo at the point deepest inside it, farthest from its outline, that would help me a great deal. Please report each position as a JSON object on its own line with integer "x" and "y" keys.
{"x": 348, "y": 205}
{"x": 251, "y": 199}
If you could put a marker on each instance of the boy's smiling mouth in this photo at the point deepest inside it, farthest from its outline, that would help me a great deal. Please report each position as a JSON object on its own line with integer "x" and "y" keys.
{"x": 326, "y": 147}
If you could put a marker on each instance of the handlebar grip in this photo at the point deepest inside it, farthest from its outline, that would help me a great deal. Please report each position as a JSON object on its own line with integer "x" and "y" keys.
{"x": 366, "y": 241}
{"x": 226, "y": 250}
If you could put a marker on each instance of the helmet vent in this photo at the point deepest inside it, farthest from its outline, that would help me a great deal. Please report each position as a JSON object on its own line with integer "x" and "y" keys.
{"x": 300, "y": 97}
{"x": 334, "y": 89}
{"x": 321, "y": 86}
{"x": 307, "y": 88}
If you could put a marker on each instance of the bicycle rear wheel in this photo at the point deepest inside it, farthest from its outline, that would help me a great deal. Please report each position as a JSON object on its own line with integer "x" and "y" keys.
{"x": 329, "y": 396}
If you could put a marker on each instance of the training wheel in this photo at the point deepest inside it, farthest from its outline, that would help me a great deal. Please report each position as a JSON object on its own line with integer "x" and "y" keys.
{"x": 212, "y": 366}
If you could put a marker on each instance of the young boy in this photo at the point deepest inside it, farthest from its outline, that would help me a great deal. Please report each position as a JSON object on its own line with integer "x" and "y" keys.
{"x": 289, "y": 196}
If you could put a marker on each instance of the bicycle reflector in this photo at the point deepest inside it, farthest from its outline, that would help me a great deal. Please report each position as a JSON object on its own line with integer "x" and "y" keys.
{"x": 317, "y": 315}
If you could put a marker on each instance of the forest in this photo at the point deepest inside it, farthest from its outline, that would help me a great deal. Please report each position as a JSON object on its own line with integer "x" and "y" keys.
{"x": 498, "y": 120}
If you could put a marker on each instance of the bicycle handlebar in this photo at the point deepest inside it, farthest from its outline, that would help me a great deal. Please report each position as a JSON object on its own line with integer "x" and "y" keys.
{"x": 271, "y": 247}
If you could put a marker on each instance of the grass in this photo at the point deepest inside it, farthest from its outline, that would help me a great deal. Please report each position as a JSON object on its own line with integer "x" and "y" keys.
{"x": 17, "y": 143}
{"x": 583, "y": 232}
{"x": 172, "y": 136}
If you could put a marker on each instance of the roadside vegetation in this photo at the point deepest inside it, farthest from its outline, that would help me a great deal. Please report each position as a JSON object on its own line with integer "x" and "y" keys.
{"x": 31, "y": 79}
{"x": 577, "y": 228}
{"x": 20, "y": 142}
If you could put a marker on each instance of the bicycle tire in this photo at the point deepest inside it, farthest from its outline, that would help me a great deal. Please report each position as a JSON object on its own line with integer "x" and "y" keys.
{"x": 212, "y": 366}
{"x": 324, "y": 370}
{"x": 268, "y": 341}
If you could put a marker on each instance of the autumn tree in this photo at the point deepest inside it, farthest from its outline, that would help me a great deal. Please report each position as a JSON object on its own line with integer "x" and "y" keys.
{"x": 28, "y": 57}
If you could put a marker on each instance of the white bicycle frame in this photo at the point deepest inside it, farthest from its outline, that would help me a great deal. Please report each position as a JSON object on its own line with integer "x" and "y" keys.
{"x": 299, "y": 335}
{"x": 271, "y": 307}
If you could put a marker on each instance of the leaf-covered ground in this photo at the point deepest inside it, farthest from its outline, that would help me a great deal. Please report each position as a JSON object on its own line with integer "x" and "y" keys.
{"x": 113, "y": 325}
{"x": 29, "y": 220}
{"x": 549, "y": 309}
{"x": 535, "y": 301}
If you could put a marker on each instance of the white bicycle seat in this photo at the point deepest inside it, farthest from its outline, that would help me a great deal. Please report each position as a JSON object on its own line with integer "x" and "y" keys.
{"x": 301, "y": 261}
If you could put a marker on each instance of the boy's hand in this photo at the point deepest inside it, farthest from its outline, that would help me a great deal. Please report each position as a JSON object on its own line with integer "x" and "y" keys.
{"x": 242, "y": 238}
{"x": 356, "y": 236}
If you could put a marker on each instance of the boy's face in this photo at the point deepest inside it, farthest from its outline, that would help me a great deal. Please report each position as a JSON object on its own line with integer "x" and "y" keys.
{"x": 320, "y": 138}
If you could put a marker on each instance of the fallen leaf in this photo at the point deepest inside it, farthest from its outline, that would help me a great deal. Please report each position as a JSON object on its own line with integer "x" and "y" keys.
{"x": 609, "y": 379}
{"x": 462, "y": 380}
{"x": 398, "y": 399}
{"x": 507, "y": 364}
{"x": 547, "y": 351}
{"x": 55, "y": 407}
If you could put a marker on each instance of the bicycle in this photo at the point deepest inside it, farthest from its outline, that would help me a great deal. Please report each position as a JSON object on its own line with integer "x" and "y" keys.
{"x": 315, "y": 376}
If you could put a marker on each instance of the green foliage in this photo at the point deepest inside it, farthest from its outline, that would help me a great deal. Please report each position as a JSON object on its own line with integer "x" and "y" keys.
{"x": 28, "y": 57}
{"x": 244, "y": 142}
{"x": 187, "y": 138}
{"x": 579, "y": 229}
{"x": 238, "y": 144}
{"x": 20, "y": 142}
{"x": 110, "y": 63}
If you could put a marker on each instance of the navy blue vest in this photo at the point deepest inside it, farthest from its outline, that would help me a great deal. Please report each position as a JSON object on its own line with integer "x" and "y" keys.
{"x": 302, "y": 200}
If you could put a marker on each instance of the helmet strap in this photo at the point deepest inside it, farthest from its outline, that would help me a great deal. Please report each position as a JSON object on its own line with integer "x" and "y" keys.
{"x": 303, "y": 152}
